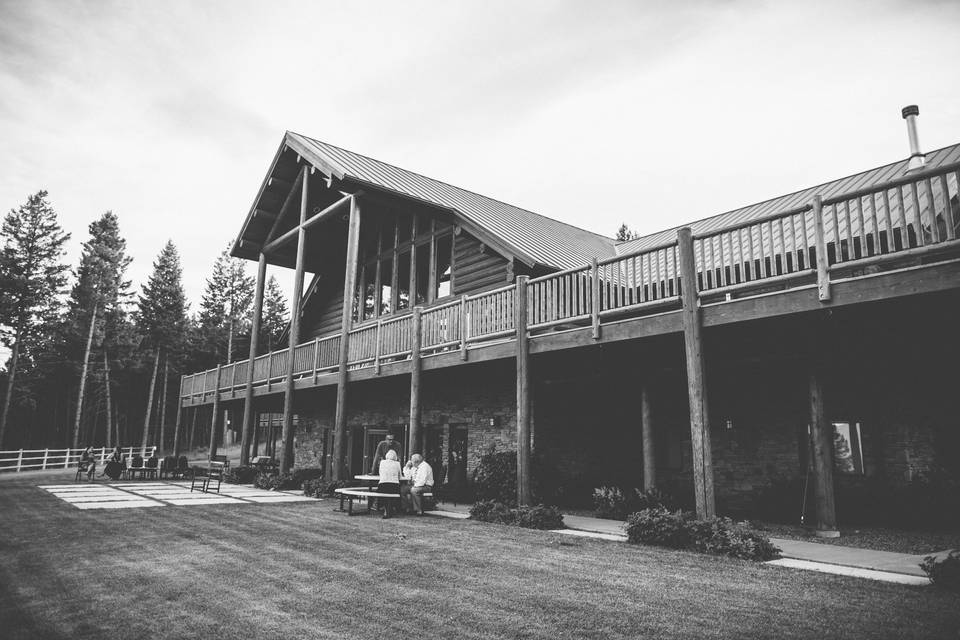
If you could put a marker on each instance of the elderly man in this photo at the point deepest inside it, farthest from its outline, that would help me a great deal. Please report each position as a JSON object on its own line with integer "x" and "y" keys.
{"x": 422, "y": 482}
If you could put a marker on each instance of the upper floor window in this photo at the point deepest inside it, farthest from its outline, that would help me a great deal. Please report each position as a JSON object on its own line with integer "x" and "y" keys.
{"x": 405, "y": 260}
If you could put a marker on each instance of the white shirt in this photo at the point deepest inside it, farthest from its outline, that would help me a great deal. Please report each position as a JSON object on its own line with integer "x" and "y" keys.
{"x": 423, "y": 476}
{"x": 389, "y": 472}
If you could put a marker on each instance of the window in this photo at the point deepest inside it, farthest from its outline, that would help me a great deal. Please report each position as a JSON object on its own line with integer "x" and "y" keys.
{"x": 369, "y": 290}
{"x": 403, "y": 280}
{"x": 423, "y": 273}
{"x": 444, "y": 265}
{"x": 386, "y": 284}
{"x": 847, "y": 448}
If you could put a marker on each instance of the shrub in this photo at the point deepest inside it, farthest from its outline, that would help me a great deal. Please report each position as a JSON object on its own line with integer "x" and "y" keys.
{"x": 275, "y": 482}
{"x": 306, "y": 473}
{"x": 536, "y": 517}
{"x": 615, "y": 504}
{"x": 240, "y": 475}
{"x": 681, "y": 530}
{"x": 539, "y": 517}
{"x": 945, "y": 571}
{"x": 320, "y": 488}
{"x": 495, "y": 477}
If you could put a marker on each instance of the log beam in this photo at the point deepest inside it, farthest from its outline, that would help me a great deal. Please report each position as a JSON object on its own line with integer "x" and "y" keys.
{"x": 696, "y": 378}
{"x": 296, "y": 301}
{"x": 254, "y": 347}
{"x": 524, "y": 490}
{"x": 349, "y": 283}
{"x": 415, "y": 369}
{"x": 649, "y": 453}
{"x": 309, "y": 222}
{"x": 821, "y": 437}
{"x": 216, "y": 413}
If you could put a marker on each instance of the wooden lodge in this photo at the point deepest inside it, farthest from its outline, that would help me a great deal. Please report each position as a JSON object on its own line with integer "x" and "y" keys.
{"x": 810, "y": 336}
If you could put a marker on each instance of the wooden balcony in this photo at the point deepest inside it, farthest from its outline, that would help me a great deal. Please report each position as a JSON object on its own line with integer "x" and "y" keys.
{"x": 893, "y": 240}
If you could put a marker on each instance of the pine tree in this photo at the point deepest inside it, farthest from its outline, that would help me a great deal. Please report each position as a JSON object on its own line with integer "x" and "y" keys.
{"x": 624, "y": 233}
{"x": 276, "y": 316}
{"x": 32, "y": 276}
{"x": 98, "y": 295}
{"x": 226, "y": 305}
{"x": 162, "y": 321}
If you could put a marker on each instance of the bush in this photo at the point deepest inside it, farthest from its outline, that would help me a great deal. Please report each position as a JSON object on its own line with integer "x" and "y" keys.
{"x": 681, "y": 530}
{"x": 240, "y": 475}
{"x": 944, "y": 572}
{"x": 275, "y": 482}
{"x": 537, "y": 517}
{"x": 306, "y": 473}
{"x": 615, "y": 504}
{"x": 320, "y": 488}
{"x": 495, "y": 477}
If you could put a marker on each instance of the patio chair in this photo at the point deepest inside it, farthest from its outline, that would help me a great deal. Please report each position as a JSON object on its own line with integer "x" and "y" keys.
{"x": 88, "y": 467}
{"x": 183, "y": 467}
{"x": 150, "y": 466}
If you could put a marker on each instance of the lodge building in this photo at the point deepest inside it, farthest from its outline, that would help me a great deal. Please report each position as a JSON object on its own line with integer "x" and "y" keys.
{"x": 813, "y": 336}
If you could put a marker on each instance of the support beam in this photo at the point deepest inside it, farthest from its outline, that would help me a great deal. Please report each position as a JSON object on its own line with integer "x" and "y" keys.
{"x": 820, "y": 242}
{"x": 306, "y": 224}
{"x": 176, "y": 430}
{"x": 283, "y": 208}
{"x": 821, "y": 453}
{"x": 254, "y": 347}
{"x": 349, "y": 283}
{"x": 216, "y": 413}
{"x": 649, "y": 453}
{"x": 296, "y": 302}
{"x": 416, "y": 337}
{"x": 696, "y": 378}
{"x": 524, "y": 491}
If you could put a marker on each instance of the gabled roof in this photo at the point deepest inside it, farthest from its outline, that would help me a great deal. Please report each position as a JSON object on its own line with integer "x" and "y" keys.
{"x": 863, "y": 180}
{"x": 533, "y": 238}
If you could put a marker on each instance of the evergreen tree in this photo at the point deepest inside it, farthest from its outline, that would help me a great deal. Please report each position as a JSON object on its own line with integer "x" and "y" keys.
{"x": 276, "y": 316}
{"x": 226, "y": 305}
{"x": 162, "y": 321}
{"x": 624, "y": 233}
{"x": 32, "y": 275}
{"x": 98, "y": 295}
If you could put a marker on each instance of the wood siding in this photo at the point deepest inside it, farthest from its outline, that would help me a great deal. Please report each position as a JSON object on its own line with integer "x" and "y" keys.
{"x": 476, "y": 267}
{"x": 323, "y": 310}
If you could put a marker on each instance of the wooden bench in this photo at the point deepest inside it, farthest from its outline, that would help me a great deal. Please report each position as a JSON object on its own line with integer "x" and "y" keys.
{"x": 359, "y": 493}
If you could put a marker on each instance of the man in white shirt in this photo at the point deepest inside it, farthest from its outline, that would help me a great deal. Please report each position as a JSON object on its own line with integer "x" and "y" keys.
{"x": 422, "y": 482}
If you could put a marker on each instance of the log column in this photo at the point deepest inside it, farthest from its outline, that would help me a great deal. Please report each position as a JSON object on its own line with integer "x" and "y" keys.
{"x": 649, "y": 455}
{"x": 286, "y": 460}
{"x": 696, "y": 378}
{"x": 821, "y": 440}
{"x": 216, "y": 414}
{"x": 254, "y": 347}
{"x": 349, "y": 284}
{"x": 524, "y": 489}
{"x": 415, "y": 370}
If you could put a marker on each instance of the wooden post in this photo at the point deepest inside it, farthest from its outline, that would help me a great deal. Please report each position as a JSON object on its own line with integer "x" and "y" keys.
{"x": 46, "y": 452}
{"x": 649, "y": 453}
{"x": 349, "y": 280}
{"x": 20, "y": 459}
{"x": 176, "y": 430}
{"x": 213, "y": 418}
{"x": 696, "y": 378}
{"x": 286, "y": 460}
{"x": 254, "y": 347}
{"x": 415, "y": 341}
{"x": 823, "y": 273}
{"x": 821, "y": 437}
{"x": 595, "y": 298}
{"x": 524, "y": 492}
{"x": 464, "y": 327}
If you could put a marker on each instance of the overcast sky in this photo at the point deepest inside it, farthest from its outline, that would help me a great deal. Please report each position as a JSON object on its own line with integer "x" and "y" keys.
{"x": 649, "y": 113}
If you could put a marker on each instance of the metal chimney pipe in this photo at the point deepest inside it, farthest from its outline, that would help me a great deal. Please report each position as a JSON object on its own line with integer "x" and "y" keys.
{"x": 917, "y": 158}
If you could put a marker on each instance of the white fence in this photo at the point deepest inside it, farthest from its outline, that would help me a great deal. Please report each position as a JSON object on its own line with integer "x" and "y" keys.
{"x": 43, "y": 459}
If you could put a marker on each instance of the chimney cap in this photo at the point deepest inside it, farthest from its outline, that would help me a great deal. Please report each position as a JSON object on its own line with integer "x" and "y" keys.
{"x": 910, "y": 110}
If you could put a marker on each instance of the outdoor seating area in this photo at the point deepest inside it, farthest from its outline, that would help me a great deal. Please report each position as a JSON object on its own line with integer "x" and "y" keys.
{"x": 216, "y": 467}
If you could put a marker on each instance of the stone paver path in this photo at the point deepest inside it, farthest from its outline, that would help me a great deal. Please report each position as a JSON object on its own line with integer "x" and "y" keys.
{"x": 132, "y": 495}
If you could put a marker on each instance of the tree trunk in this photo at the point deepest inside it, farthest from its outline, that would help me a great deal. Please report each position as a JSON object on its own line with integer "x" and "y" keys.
{"x": 230, "y": 342}
{"x": 163, "y": 407}
{"x": 11, "y": 376}
{"x": 83, "y": 377}
{"x": 146, "y": 419}
{"x": 106, "y": 387}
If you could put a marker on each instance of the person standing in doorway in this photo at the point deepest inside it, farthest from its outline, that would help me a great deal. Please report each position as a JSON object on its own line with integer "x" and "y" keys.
{"x": 387, "y": 444}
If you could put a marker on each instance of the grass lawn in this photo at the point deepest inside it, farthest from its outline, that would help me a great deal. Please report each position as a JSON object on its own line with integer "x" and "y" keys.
{"x": 300, "y": 570}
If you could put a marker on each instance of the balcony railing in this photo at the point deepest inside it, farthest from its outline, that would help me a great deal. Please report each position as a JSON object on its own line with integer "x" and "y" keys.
{"x": 910, "y": 216}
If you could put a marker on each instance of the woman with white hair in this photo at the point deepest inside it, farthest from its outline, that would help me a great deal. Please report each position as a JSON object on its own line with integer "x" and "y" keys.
{"x": 389, "y": 479}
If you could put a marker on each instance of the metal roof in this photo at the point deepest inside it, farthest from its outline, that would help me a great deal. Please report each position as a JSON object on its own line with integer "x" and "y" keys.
{"x": 532, "y": 236}
{"x": 863, "y": 180}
